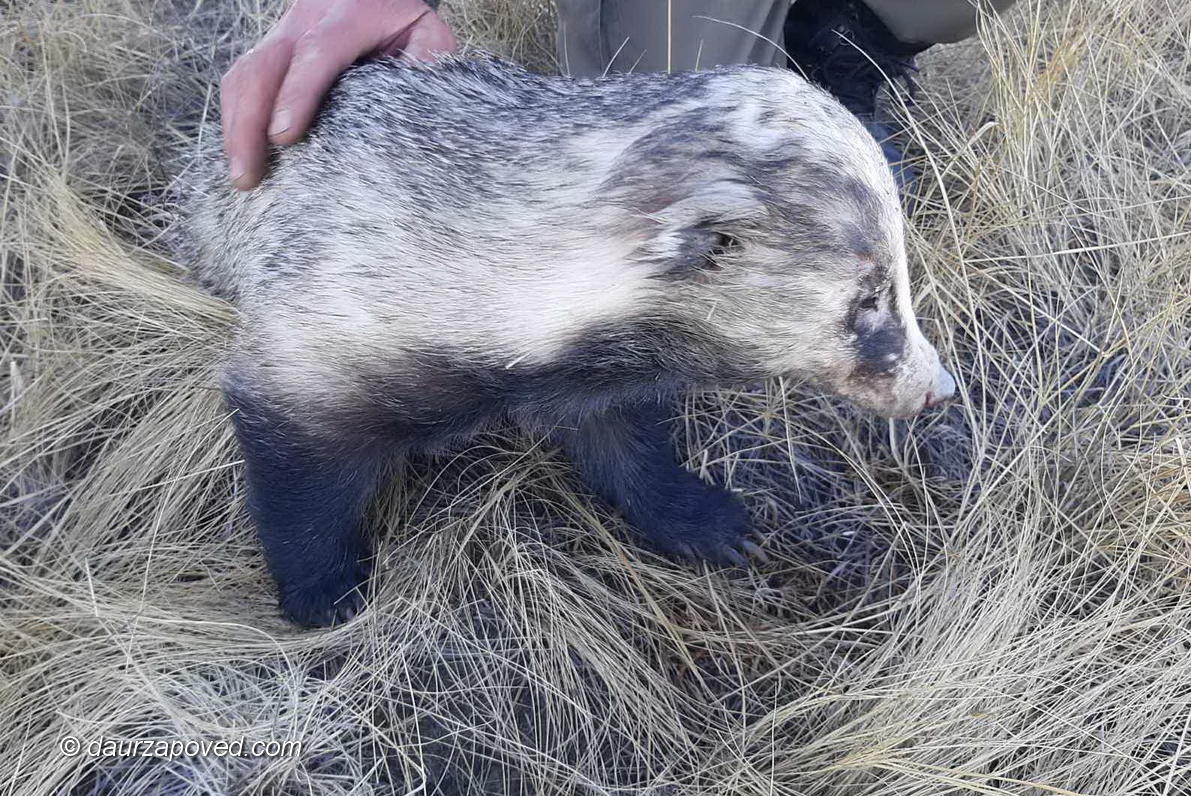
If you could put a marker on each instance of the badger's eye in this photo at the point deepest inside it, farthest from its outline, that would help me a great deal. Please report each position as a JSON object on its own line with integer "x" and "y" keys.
{"x": 722, "y": 244}
{"x": 869, "y": 303}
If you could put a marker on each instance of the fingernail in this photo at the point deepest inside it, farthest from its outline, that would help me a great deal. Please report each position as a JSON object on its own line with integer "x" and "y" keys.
{"x": 237, "y": 169}
{"x": 280, "y": 123}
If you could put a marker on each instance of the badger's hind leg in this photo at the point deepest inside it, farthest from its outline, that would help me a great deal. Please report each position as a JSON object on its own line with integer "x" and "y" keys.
{"x": 307, "y": 496}
{"x": 624, "y": 454}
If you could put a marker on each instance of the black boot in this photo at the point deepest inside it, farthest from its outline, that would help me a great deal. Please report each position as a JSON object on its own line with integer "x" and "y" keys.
{"x": 844, "y": 47}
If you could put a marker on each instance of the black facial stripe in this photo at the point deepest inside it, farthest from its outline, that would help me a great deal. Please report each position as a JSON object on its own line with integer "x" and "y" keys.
{"x": 880, "y": 351}
{"x": 877, "y": 280}
{"x": 880, "y": 337}
{"x": 873, "y": 283}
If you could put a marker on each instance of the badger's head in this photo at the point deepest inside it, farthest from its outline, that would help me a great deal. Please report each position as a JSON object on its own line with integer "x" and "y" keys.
{"x": 775, "y": 227}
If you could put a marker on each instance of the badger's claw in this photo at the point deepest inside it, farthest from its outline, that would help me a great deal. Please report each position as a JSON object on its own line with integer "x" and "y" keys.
{"x": 754, "y": 551}
{"x": 692, "y": 520}
{"x": 734, "y": 556}
{"x": 332, "y": 600}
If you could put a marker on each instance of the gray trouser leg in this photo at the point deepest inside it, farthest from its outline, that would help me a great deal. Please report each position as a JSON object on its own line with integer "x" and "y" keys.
{"x": 933, "y": 21}
{"x": 595, "y": 36}
{"x": 598, "y": 36}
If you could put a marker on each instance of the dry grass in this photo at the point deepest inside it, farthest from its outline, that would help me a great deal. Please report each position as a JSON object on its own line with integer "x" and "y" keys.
{"x": 993, "y": 600}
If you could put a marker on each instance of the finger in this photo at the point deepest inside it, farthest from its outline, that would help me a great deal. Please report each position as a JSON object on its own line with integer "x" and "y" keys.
{"x": 322, "y": 54}
{"x": 427, "y": 40}
{"x": 246, "y": 100}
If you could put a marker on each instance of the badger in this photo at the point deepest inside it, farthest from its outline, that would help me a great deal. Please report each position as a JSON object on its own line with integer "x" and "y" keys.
{"x": 458, "y": 244}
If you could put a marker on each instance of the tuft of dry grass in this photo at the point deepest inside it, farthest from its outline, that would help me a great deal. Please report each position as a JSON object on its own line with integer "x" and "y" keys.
{"x": 520, "y": 30}
{"x": 992, "y": 600}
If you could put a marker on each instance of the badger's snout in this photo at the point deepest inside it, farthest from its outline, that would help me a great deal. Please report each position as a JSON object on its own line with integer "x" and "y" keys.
{"x": 922, "y": 385}
{"x": 897, "y": 373}
{"x": 944, "y": 391}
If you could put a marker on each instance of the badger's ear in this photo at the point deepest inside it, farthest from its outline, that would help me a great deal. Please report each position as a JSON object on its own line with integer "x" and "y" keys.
{"x": 701, "y": 225}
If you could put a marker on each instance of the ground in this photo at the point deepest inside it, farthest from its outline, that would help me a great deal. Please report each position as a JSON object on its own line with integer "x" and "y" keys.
{"x": 995, "y": 599}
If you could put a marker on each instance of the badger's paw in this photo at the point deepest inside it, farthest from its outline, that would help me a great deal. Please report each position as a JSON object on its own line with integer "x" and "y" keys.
{"x": 333, "y": 599}
{"x": 696, "y": 521}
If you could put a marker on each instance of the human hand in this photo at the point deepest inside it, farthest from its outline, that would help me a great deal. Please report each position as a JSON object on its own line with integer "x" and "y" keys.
{"x": 272, "y": 92}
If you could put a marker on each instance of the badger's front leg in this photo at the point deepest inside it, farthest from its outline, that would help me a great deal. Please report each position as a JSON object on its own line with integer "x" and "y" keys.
{"x": 624, "y": 454}
{"x": 307, "y": 496}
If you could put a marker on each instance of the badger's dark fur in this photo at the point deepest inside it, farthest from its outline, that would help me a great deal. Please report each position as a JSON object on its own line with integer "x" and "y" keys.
{"x": 465, "y": 242}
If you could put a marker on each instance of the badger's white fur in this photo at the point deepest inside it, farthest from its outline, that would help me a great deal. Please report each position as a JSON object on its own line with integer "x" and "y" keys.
{"x": 456, "y": 242}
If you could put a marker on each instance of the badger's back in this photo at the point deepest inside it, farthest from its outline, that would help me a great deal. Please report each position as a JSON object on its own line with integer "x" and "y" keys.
{"x": 475, "y": 148}
{"x": 462, "y": 154}
{"x": 475, "y": 203}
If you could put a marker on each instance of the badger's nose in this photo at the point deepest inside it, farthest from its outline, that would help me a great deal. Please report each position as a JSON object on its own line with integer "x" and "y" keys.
{"x": 944, "y": 390}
